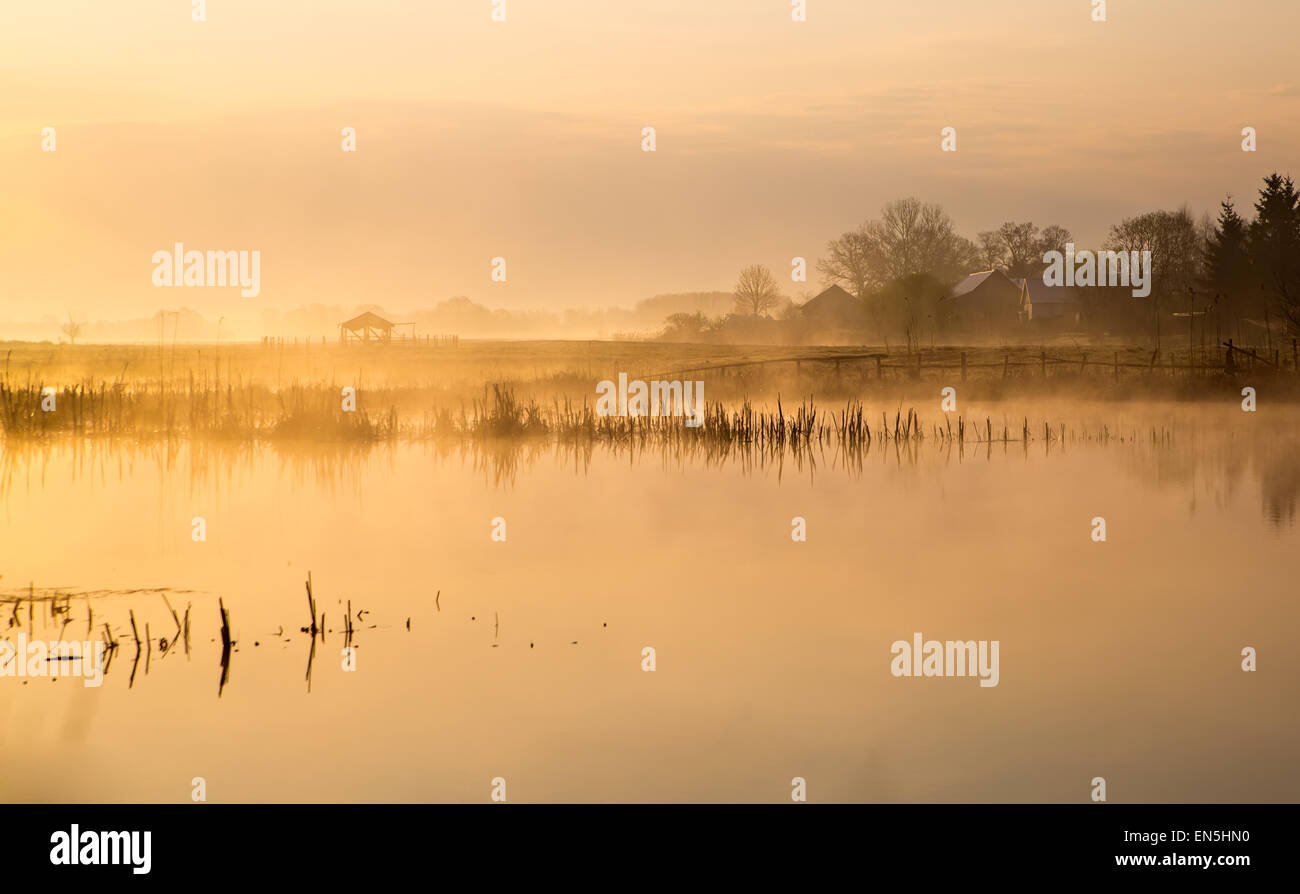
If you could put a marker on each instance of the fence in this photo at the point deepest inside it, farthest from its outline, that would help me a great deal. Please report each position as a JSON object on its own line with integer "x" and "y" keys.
{"x": 1017, "y": 362}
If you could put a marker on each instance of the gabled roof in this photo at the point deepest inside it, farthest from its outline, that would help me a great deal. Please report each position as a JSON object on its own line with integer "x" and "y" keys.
{"x": 367, "y": 320}
{"x": 833, "y": 300}
{"x": 1035, "y": 291}
{"x": 975, "y": 280}
{"x": 831, "y": 295}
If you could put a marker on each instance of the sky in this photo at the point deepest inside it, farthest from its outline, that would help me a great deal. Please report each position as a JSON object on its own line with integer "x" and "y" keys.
{"x": 522, "y": 139}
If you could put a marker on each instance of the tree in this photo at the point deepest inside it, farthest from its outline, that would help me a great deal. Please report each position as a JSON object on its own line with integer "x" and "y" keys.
{"x": 683, "y": 326}
{"x": 1174, "y": 243}
{"x": 1274, "y": 244}
{"x": 1226, "y": 264}
{"x": 756, "y": 290}
{"x": 1017, "y": 249}
{"x": 910, "y": 237}
{"x": 914, "y": 237}
{"x": 912, "y": 306}
{"x": 1011, "y": 248}
{"x": 1177, "y": 252}
{"x": 992, "y": 252}
{"x": 72, "y": 329}
{"x": 848, "y": 262}
{"x": 1053, "y": 238}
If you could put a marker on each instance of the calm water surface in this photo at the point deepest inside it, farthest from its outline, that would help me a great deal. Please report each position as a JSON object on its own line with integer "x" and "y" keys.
{"x": 523, "y": 659}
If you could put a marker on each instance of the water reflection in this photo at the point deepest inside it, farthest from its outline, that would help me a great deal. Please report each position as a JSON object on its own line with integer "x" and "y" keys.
{"x": 526, "y": 654}
{"x": 50, "y": 612}
{"x": 1213, "y": 461}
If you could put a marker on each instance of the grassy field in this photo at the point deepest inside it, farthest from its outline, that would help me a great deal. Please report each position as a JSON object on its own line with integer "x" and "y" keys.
{"x": 415, "y": 364}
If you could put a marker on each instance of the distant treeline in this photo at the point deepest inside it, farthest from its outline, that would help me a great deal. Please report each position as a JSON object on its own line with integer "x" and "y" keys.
{"x": 1223, "y": 274}
{"x": 1219, "y": 275}
{"x": 454, "y": 316}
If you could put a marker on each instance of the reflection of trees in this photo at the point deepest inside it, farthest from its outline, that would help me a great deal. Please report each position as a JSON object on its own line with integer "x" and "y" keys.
{"x": 1279, "y": 480}
{"x": 1218, "y": 464}
{"x": 1210, "y": 461}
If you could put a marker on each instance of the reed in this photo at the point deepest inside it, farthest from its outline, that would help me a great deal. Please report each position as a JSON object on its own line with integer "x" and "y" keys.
{"x": 203, "y": 408}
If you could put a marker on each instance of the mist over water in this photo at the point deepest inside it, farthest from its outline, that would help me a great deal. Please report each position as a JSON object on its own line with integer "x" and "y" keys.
{"x": 773, "y": 655}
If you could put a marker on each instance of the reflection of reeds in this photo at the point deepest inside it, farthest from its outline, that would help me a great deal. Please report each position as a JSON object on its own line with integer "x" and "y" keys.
{"x": 210, "y": 412}
{"x": 225, "y": 647}
{"x": 194, "y": 409}
{"x": 313, "y": 629}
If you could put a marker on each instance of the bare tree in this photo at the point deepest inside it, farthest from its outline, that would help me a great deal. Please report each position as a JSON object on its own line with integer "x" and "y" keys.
{"x": 1053, "y": 238}
{"x": 1017, "y": 249}
{"x": 1175, "y": 243}
{"x": 848, "y": 262}
{"x": 1021, "y": 241}
{"x": 910, "y": 237}
{"x": 1177, "y": 251}
{"x": 756, "y": 290}
{"x": 72, "y": 329}
{"x": 992, "y": 252}
{"x": 915, "y": 237}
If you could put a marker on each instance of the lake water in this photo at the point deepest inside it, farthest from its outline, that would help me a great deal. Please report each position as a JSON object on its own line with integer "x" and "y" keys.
{"x": 524, "y": 658}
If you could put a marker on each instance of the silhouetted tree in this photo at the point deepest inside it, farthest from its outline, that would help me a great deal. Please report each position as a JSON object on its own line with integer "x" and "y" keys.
{"x": 910, "y": 237}
{"x": 1274, "y": 245}
{"x": 1175, "y": 243}
{"x": 1017, "y": 249}
{"x": 756, "y": 290}
{"x": 71, "y": 329}
{"x": 1227, "y": 273}
{"x": 848, "y": 262}
{"x": 1053, "y": 238}
{"x": 912, "y": 307}
{"x": 685, "y": 326}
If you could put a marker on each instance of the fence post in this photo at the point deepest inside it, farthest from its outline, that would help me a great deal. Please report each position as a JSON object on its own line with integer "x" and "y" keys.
{"x": 963, "y": 363}
{"x": 1117, "y": 366}
{"x": 1043, "y": 357}
{"x": 880, "y": 370}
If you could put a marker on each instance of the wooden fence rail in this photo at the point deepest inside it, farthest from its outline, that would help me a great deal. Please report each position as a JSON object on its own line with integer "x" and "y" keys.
{"x": 915, "y": 364}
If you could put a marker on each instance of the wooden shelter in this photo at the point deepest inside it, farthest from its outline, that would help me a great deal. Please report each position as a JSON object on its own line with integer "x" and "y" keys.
{"x": 366, "y": 327}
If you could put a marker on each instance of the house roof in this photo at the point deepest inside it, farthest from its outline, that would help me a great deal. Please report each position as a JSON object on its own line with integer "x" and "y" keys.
{"x": 833, "y": 300}
{"x": 975, "y": 280}
{"x": 367, "y": 320}
{"x": 1035, "y": 291}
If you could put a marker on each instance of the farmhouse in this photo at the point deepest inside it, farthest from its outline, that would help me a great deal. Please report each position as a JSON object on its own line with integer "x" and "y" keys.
{"x": 834, "y": 308}
{"x": 986, "y": 300}
{"x": 1041, "y": 303}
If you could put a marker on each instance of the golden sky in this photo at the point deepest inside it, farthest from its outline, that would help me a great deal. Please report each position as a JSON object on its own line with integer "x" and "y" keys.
{"x": 521, "y": 139}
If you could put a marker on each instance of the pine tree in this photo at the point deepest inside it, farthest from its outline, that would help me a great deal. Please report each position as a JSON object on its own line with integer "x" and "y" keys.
{"x": 1227, "y": 265}
{"x": 1274, "y": 245}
